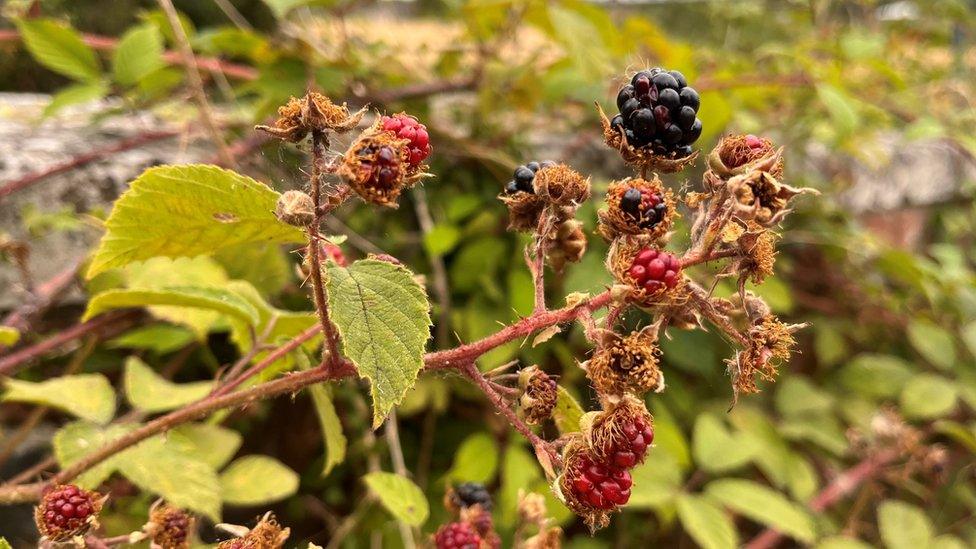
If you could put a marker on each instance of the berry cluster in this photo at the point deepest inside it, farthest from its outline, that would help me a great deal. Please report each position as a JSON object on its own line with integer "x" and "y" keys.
{"x": 457, "y": 535}
{"x": 171, "y": 528}
{"x": 524, "y": 175}
{"x": 66, "y": 511}
{"x": 407, "y": 127}
{"x": 646, "y": 209}
{"x": 596, "y": 485}
{"x": 654, "y": 270}
{"x": 630, "y": 446}
{"x": 659, "y": 110}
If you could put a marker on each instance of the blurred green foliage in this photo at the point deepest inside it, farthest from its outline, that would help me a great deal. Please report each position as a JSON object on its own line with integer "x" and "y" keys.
{"x": 893, "y": 329}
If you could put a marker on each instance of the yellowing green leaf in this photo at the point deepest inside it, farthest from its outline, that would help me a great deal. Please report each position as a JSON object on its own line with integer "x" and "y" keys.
{"x": 80, "y": 438}
{"x": 903, "y": 526}
{"x": 708, "y": 525}
{"x": 87, "y": 396}
{"x": 222, "y": 301}
{"x": 399, "y": 496}
{"x": 9, "y": 336}
{"x": 212, "y": 444}
{"x": 656, "y": 481}
{"x": 160, "y": 338}
{"x": 715, "y": 449}
{"x": 335, "y": 440}
{"x": 383, "y": 318}
{"x": 4, "y": 544}
{"x": 567, "y": 412}
{"x": 764, "y": 505}
{"x": 151, "y": 392}
{"x": 257, "y": 480}
{"x": 59, "y": 48}
{"x": 287, "y": 324}
{"x": 161, "y": 467}
{"x": 839, "y": 107}
{"x": 933, "y": 342}
{"x": 138, "y": 54}
{"x": 928, "y": 396}
{"x": 74, "y": 94}
{"x": 185, "y": 211}
{"x": 476, "y": 460}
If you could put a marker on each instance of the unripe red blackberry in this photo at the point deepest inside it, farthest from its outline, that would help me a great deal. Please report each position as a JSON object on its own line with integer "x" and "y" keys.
{"x": 407, "y": 127}
{"x": 67, "y": 511}
{"x": 622, "y": 434}
{"x": 595, "y": 485}
{"x": 457, "y": 535}
{"x": 654, "y": 270}
{"x": 333, "y": 252}
{"x": 659, "y": 111}
{"x": 170, "y": 527}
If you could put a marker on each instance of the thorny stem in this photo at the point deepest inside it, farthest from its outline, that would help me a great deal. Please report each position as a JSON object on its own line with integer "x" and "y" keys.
{"x": 319, "y": 147}
{"x": 475, "y": 375}
{"x": 196, "y": 83}
{"x": 697, "y": 257}
{"x": 273, "y": 357}
{"x": 838, "y": 489}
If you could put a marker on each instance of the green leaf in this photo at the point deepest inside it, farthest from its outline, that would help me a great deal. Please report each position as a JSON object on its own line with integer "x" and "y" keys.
{"x": 75, "y": 94}
{"x": 257, "y": 480}
{"x": 839, "y": 107}
{"x": 876, "y": 375}
{"x": 715, "y": 449}
{"x": 185, "y": 211}
{"x": 838, "y": 542}
{"x": 4, "y": 544}
{"x": 567, "y": 412}
{"x": 335, "y": 440}
{"x": 263, "y": 265}
{"x": 928, "y": 396}
{"x": 287, "y": 324}
{"x": 138, "y": 54}
{"x": 400, "y": 496}
{"x": 88, "y": 396}
{"x": 934, "y": 343}
{"x": 9, "y": 336}
{"x": 476, "y": 460}
{"x": 969, "y": 337}
{"x": 903, "y": 526}
{"x": 222, "y": 301}
{"x": 160, "y": 338}
{"x": 59, "y": 48}
{"x": 441, "y": 239}
{"x": 708, "y": 525}
{"x": 519, "y": 469}
{"x": 655, "y": 482}
{"x": 211, "y": 444}
{"x": 159, "y": 466}
{"x": 383, "y": 317}
{"x": 150, "y": 392}
{"x": 764, "y": 505}
{"x": 80, "y": 438}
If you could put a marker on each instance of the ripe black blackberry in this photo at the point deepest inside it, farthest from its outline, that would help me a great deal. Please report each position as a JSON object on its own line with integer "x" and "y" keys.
{"x": 659, "y": 110}
{"x": 524, "y": 175}
{"x": 468, "y": 494}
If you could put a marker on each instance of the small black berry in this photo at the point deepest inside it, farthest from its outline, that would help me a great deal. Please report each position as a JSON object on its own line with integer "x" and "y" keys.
{"x": 511, "y": 187}
{"x": 534, "y": 166}
{"x": 693, "y": 133}
{"x": 664, "y": 80}
{"x": 630, "y": 203}
{"x": 625, "y": 93}
{"x": 617, "y": 121}
{"x": 682, "y": 81}
{"x": 629, "y": 107}
{"x": 690, "y": 97}
{"x": 685, "y": 118}
{"x": 524, "y": 175}
{"x": 669, "y": 99}
{"x": 468, "y": 494}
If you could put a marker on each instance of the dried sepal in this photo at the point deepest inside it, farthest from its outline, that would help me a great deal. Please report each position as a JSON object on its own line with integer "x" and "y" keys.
{"x": 620, "y": 259}
{"x": 561, "y": 185}
{"x": 566, "y": 244}
{"x": 524, "y": 209}
{"x": 762, "y": 198}
{"x": 771, "y": 343}
{"x": 537, "y": 395}
{"x": 642, "y": 158}
{"x": 758, "y": 249}
{"x": 615, "y": 221}
{"x": 313, "y": 112}
{"x": 376, "y": 167}
{"x": 266, "y": 534}
{"x": 576, "y": 454}
{"x": 740, "y": 154}
{"x": 295, "y": 208}
{"x": 547, "y": 538}
{"x": 626, "y": 364}
{"x": 169, "y": 527}
{"x": 614, "y": 428}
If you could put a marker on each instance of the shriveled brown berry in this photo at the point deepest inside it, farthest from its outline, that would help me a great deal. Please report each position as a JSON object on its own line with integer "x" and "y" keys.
{"x": 538, "y": 395}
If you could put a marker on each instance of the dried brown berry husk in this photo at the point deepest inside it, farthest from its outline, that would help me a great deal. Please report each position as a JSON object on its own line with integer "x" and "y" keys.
{"x": 313, "y": 112}
{"x": 64, "y": 529}
{"x": 538, "y": 395}
{"x": 364, "y": 160}
{"x": 771, "y": 343}
{"x": 735, "y": 155}
{"x": 266, "y": 534}
{"x": 524, "y": 210}
{"x": 761, "y": 197}
{"x": 642, "y": 158}
{"x": 547, "y": 538}
{"x": 295, "y": 208}
{"x": 574, "y": 454}
{"x": 567, "y": 244}
{"x": 626, "y": 364}
{"x": 623, "y": 250}
{"x": 758, "y": 247}
{"x": 561, "y": 185}
{"x": 169, "y": 527}
{"x": 614, "y": 221}
{"x": 604, "y": 430}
